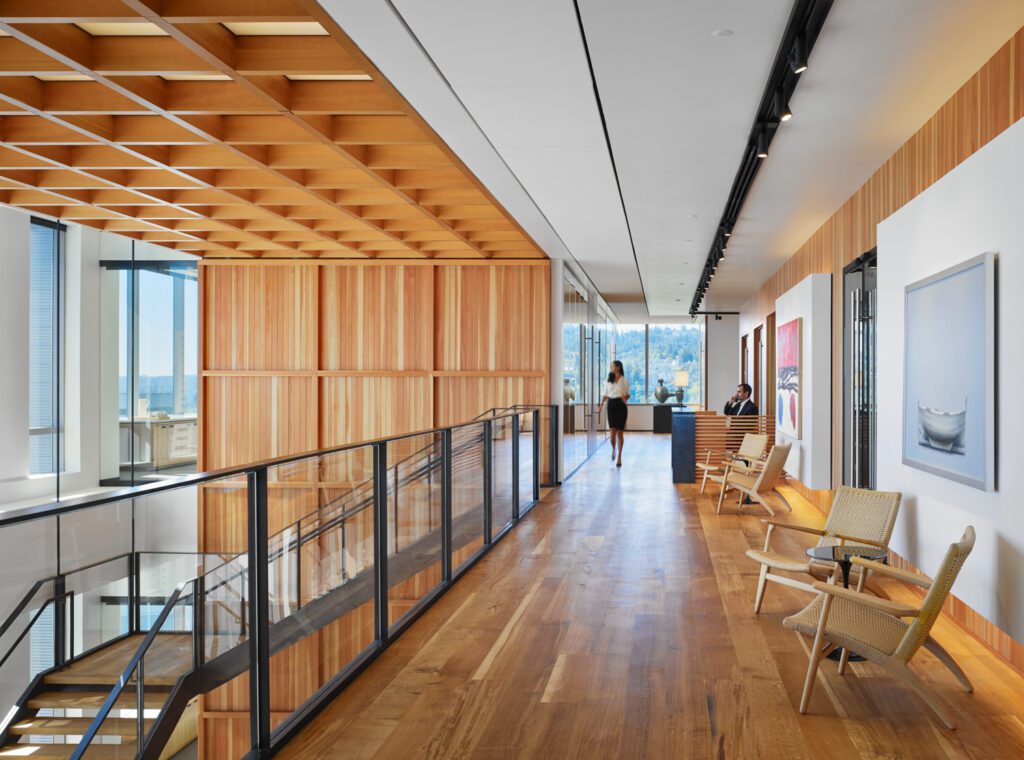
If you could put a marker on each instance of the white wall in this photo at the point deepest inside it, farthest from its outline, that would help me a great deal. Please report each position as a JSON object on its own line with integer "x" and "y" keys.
{"x": 14, "y": 364}
{"x": 722, "y": 337}
{"x": 810, "y": 460}
{"x": 975, "y": 208}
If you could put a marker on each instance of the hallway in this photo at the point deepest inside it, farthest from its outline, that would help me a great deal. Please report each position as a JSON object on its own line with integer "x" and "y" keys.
{"x": 616, "y": 622}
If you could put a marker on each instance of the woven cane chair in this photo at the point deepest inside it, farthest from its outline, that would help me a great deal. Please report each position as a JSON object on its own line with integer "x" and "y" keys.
{"x": 877, "y": 628}
{"x": 858, "y": 517}
{"x": 758, "y": 486}
{"x": 751, "y": 450}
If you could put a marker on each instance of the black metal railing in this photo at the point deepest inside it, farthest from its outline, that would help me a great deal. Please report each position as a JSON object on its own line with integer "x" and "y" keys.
{"x": 449, "y": 500}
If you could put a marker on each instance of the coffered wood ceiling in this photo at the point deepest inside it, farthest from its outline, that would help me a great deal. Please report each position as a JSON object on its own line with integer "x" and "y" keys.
{"x": 228, "y": 128}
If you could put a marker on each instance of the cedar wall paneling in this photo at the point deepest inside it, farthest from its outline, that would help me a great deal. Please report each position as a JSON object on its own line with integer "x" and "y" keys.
{"x": 986, "y": 105}
{"x": 303, "y": 355}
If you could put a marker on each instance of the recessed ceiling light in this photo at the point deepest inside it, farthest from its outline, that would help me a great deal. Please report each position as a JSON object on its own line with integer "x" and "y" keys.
{"x": 695, "y": 216}
{"x": 722, "y": 33}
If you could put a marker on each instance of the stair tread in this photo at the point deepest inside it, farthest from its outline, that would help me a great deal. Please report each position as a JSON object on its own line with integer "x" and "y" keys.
{"x": 96, "y": 752}
{"x": 44, "y": 726}
{"x": 93, "y": 699}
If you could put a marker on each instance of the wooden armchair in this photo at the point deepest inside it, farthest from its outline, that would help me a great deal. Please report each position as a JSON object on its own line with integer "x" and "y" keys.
{"x": 857, "y": 517}
{"x": 758, "y": 486}
{"x": 878, "y": 629}
{"x": 751, "y": 450}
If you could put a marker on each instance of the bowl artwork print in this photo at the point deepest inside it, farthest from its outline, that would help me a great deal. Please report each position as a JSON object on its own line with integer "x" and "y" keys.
{"x": 942, "y": 430}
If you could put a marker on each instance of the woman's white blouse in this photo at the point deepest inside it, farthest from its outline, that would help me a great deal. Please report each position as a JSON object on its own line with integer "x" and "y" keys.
{"x": 618, "y": 389}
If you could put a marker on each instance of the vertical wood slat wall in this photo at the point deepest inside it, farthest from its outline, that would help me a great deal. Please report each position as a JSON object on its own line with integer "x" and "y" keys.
{"x": 986, "y": 105}
{"x": 300, "y": 355}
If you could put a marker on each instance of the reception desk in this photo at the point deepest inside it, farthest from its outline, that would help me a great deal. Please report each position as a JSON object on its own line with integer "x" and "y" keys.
{"x": 684, "y": 437}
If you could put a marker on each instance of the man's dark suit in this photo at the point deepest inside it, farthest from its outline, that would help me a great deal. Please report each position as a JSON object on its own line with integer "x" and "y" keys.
{"x": 741, "y": 408}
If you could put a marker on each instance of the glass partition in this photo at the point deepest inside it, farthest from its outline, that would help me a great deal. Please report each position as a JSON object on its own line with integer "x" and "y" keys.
{"x": 526, "y": 480}
{"x": 501, "y": 475}
{"x": 414, "y": 522}
{"x": 467, "y": 493}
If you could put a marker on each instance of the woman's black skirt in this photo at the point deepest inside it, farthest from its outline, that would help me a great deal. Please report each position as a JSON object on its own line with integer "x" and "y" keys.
{"x": 617, "y": 413}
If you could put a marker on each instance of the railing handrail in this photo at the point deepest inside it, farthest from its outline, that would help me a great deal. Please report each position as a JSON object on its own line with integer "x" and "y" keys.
{"x": 55, "y": 508}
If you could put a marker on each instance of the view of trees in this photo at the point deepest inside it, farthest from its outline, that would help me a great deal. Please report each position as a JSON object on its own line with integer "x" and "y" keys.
{"x": 672, "y": 347}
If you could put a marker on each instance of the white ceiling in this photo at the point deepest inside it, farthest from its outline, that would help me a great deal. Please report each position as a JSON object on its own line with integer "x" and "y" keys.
{"x": 512, "y": 95}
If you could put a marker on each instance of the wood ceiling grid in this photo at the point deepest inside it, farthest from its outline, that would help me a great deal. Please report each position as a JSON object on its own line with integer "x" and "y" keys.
{"x": 229, "y": 128}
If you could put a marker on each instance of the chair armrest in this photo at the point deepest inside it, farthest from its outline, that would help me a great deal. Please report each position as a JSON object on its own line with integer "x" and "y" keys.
{"x": 794, "y": 526}
{"x": 859, "y": 540}
{"x": 893, "y": 572}
{"x": 721, "y": 453}
{"x": 893, "y": 608}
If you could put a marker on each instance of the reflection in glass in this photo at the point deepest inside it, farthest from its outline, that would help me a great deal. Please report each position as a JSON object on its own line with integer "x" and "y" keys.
{"x": 157, "y": 366}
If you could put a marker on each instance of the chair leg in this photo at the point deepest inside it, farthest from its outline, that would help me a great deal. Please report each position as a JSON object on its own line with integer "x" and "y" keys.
{"x": 908, "y": 677}
{"x": 764, "y": 503}
{"x": 762, "y": 583}
{"x": 816, "y": 655}
{"x": 721, "y": 495}
{"x": 704, "y": 481}
{"x": 946, "y": 659}
{"x": 844, "y": 658}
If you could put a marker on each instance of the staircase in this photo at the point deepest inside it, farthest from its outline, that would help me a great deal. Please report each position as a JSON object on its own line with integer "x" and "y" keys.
{"x": 59, "y": 707}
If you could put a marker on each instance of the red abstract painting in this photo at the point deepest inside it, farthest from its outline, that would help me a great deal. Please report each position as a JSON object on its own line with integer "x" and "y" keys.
{"x": 787, "y": 378}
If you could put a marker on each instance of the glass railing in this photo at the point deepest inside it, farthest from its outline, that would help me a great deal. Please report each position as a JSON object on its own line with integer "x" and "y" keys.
{"x": 312, "y": 563}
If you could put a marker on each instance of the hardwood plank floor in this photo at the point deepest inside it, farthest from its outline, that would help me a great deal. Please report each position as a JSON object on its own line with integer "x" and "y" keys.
{"x": 616, "y": 622}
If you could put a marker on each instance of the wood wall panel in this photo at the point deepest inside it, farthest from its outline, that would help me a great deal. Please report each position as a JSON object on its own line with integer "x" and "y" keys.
{"x": 982, "y": 108}
{"x": 252, "y": 418}
{"x": 376, "y": 317}
{"x": 360, "y": 408}
{"x": 462, "y": 398}
{"x": 490, "y": 318}
{"x": 260, "y": 318}
{"x": 300, "y": 355}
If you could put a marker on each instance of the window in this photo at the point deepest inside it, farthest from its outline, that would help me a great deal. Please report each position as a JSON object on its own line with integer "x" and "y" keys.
{"x": 670, "y": 348}
{"x": 46, "y": 316}
{"x": 650, "y": 353}
{"x": 630, "y": 348}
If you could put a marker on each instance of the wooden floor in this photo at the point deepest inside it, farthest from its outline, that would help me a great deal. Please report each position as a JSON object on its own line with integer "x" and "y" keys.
{"x": 616, "y": 622}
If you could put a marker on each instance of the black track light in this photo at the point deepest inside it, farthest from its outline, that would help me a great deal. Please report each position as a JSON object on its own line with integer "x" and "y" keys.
{"x": 798, "y": 58}
{"x": 762, "y": 143}
{"x": 782, "y": 109}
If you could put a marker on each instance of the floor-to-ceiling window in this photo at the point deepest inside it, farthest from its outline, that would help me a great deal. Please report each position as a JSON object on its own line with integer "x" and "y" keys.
{"x": 661, "y": 354}
{"x": 156, "y": 360}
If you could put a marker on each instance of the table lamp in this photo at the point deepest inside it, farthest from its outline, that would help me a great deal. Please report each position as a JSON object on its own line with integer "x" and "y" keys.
{"x": 682, "y": 378}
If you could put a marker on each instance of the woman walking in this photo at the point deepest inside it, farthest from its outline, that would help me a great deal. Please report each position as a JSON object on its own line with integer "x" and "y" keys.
{"x": 616, "y": 393}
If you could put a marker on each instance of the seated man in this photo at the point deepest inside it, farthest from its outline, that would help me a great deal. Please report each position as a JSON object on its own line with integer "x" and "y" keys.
{"x": 740, "y": 403}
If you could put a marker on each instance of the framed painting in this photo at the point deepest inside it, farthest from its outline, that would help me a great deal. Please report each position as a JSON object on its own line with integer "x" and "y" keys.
{"x": 949, "y": 355}
{"x": 788, "y": 346}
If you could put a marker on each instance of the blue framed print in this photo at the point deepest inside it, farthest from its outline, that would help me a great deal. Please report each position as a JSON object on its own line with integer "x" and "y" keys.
{"x": 949, "y": 356}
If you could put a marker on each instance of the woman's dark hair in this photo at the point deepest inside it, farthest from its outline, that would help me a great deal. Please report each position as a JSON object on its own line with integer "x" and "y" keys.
{"x": 618, "y": 365}
{"x": 611, "y": 377}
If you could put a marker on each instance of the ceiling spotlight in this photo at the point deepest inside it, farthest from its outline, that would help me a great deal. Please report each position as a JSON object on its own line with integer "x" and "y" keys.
{"x": 762, "y": 144}
{"x": 782, "y": 109}
{"x": 728, "y": 234}
{"x": 798, "y": 58}
{"x": 722, "y": 33}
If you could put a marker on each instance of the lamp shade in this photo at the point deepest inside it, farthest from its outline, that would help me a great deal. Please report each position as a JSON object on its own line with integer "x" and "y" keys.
{"x": 682, "y": 378}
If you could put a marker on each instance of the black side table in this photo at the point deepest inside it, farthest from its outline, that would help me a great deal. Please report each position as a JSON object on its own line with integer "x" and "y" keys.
{"x": 843, "y": 556}
{"x": 663, "y": 417}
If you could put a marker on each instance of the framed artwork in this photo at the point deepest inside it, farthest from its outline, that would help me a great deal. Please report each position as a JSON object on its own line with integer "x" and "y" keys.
{"x": 949, "y": 356}
{"x": 787, "y": 378}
